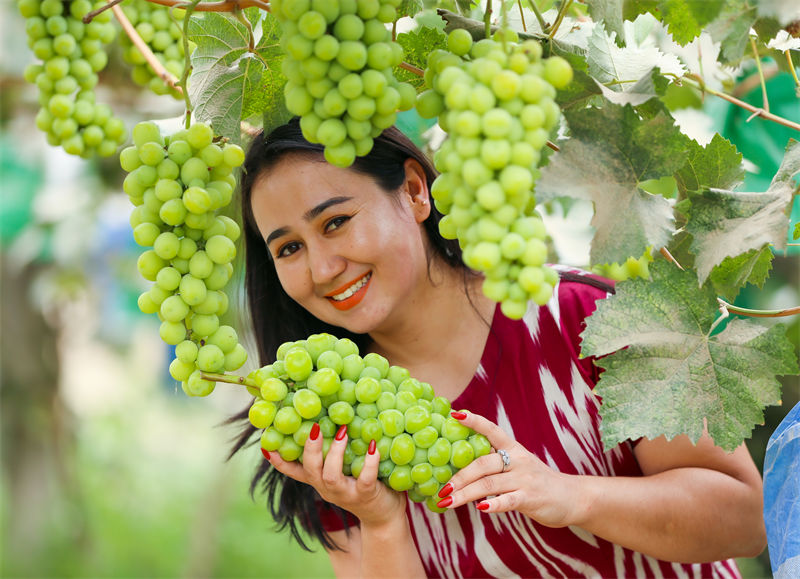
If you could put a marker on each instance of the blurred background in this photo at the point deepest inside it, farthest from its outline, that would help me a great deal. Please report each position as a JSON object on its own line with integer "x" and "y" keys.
{"x": 108, "y": 469}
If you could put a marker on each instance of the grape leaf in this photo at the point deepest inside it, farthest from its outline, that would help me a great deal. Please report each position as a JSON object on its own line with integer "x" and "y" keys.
{"x": 223, "y": 72}
{"x": 620, "y": 67}
{"x": 610, "y": 12}
{"x": 727, "y": 223}
{"x": 610, "y": 151}
{"x": 734, "y": 272}
{"x": 784, "y": 11}
{"x": 649, "y": 86}
{"x": 417, "y": 44}
{"x": 580, "y": 93}
{"x": 270, "y": 92}
{"x": 667, "y": 374}
{"x": 409, "y": 8}
{"x": 685, "y": 19}
{"x": 732, "y": 30}
{"x": 717, "y": 165}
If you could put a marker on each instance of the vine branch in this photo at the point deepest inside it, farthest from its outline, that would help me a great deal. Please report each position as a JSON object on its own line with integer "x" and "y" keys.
{"x": 411, "y": 68}
{"x": 698, "y": 83}
{"x": 726, "y": 307}
{"x": 538, "y": 14}
{"x": 91, "y": 15}
{"x": 221, "y": 6}
{"x": 165, "y": 75}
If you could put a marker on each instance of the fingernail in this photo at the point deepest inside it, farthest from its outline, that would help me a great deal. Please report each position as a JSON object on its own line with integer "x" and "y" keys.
{"x": 265, "y": 453}
{"x": 458, "y": 415}
{"x": 482, "y": 506}
{"x": 372, "y": 447}
{"x": 445, "y": 502}
{"x": 341, "y": 433}
{"x": 314, "y": 431}
{"x": 446, "y": 490}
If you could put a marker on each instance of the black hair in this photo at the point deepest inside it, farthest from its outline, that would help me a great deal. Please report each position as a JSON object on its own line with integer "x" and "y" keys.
{"x": 276, "y": 318}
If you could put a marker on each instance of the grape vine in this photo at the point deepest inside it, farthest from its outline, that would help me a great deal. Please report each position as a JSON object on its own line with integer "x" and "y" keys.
{"x": 578, "y": 102}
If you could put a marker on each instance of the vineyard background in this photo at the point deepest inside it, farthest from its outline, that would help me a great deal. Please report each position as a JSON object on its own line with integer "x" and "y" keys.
{"x": 109, "y": 470}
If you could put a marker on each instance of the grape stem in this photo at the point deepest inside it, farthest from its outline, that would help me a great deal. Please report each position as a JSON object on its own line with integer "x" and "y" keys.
{"x": 221, "y": 6}
{"x": 539, "y": 17}
{"x": 697, "y": 82}
{"x": 187, "y": 67}
{"x": 142, "y": 47}
{"x": 90, "y": 15}
{"x": 726, "y": 307}
{"x": 522, "y": 16}
{"x": 228, "y": 379}
{"x": 788, "y": 54}
{"x": 562, "y": 11}
{"x": 487, "y": 19}
{"x": 411, "y": 68}
{"x": 761, "y": 78}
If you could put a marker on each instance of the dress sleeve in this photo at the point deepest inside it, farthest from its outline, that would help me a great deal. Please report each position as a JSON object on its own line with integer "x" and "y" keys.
{"x": 333, "y": 519}
{"x": 577, "y": 298}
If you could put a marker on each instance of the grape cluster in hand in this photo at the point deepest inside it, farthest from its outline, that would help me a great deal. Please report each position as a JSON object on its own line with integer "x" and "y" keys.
{"x": 339, "y": 60}
{"x": 179, "y": 183}
{"x": 495, "y": 99}
{"x": 71, "y": 55}
{"x": 154, "y": 25}
{"x": 325, "y": 380}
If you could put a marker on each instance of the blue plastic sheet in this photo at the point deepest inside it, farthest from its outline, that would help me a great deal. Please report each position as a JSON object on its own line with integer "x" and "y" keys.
{"x": 782, "y": 497}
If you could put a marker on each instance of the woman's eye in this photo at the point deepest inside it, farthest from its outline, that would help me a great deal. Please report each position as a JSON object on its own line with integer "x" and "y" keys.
{"x": 336, "y": 222}
{"x": 288, "y": 249}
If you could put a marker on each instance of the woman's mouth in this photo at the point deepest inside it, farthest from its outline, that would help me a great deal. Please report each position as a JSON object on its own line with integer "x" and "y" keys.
{"x": 349, "y": 296}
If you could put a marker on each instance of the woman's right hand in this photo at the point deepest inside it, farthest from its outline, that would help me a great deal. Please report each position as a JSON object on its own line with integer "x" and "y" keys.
{"x": 366, "y": 497}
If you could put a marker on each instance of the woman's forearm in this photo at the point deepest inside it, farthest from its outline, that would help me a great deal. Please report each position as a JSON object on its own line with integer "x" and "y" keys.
{"x": 687, "y": 515}
{"x": 389, "y": 551}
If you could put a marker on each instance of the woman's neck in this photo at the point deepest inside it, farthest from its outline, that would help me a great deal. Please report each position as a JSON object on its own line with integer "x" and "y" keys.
{"x": 441, "y": 332}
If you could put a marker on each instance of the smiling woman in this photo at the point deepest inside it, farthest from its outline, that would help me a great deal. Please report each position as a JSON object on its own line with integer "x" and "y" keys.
{"x": 356, "y": 252}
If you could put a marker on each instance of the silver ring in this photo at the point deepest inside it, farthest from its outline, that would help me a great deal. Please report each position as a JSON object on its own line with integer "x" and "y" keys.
{"x": 506, "y": 459}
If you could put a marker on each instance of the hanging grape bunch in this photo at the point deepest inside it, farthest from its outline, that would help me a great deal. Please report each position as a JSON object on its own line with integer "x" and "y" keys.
{"x": 339, "y": 59}
{"x": 178, "y": 184}
{"x": 155, "y": 27}
{"x": 324, "y": 380}
{"x": 495, "y": 99}
{"x": 71, "y": 54}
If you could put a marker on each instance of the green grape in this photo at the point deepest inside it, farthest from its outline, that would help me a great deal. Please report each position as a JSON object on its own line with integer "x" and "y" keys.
{"x": 307, "y": 403}
{"x": 341, "y": 412}
{"x": 262, "y": 413}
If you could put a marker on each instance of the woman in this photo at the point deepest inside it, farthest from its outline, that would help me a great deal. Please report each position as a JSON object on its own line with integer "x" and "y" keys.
{"x": 357, "y": 252}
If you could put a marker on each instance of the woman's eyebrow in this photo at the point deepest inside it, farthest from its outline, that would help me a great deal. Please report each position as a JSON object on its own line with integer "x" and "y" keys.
{"x": 309, "y": 215}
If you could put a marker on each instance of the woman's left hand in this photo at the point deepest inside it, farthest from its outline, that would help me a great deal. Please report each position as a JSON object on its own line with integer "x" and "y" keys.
{"x": 524, "y": 484}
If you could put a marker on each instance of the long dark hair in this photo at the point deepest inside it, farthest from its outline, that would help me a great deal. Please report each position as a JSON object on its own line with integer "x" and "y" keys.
{"x": 277, "y": 318}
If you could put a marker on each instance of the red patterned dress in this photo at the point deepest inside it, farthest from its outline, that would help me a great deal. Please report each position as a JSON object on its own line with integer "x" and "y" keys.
{"x": 532, "y": 383}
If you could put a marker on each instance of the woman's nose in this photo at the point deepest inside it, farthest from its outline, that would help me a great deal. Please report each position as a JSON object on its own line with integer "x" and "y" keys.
{"x": 324, "y": 264}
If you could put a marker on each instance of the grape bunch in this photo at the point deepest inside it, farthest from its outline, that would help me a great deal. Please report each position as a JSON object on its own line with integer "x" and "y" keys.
{"x": 154, "y": 25}
{"x": 178, "y": 185}
{"x": 339, "y": 59}
{"x": 71, "y": 55}
{"x": 495, "y": 99}
{"x": 324, "y": 380}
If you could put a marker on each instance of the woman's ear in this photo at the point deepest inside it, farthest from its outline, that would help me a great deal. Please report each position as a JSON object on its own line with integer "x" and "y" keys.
{"x": 416, "y": 190}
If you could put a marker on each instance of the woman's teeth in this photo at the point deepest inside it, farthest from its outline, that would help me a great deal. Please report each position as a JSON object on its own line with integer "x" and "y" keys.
{"x": 352, "y": 289}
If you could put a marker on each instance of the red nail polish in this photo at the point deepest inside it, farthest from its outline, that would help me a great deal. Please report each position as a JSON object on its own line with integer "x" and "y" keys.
{"x": 482, "y": 506}
{"x": 446, "y": 490}
{"x": 341, "y": 433}
{"x": 265, "y": 453}
{"x": 445, "y": 502}
{"x": 458, "y": 415}
{"x": 373, "y": 446}
{"x": 314, "y": 431}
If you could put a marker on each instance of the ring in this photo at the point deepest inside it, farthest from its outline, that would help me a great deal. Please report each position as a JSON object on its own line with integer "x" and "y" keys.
{"x": 506, "y": 459}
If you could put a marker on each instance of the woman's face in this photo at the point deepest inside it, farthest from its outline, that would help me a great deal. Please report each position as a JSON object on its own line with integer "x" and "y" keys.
{"x": 343, "y": 248}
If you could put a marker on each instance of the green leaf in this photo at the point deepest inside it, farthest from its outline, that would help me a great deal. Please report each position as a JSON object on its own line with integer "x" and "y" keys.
{"x": 732, "y": 30}
{"x": 728, "y": 223}
{"x": 685, "y": 19}
{"x": 223, "y": 72}
{"x": 784, "y": 11}
{"x": 718, "y": 165}
{"x": 667, "y": 374}
{"x": 409, "y": 8}
{"x": 734, "y": 272}
{"x": 796, "y": 234}
{"x": 612, "y": 150}
{"x": 618, "y": 67}
{"x": 610, "y": 12}
{"x": 649, "y": 86}
{"x": 269, "y": 95}
{"x": 580, "y": 93}
{"x": 417, "y": 44}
